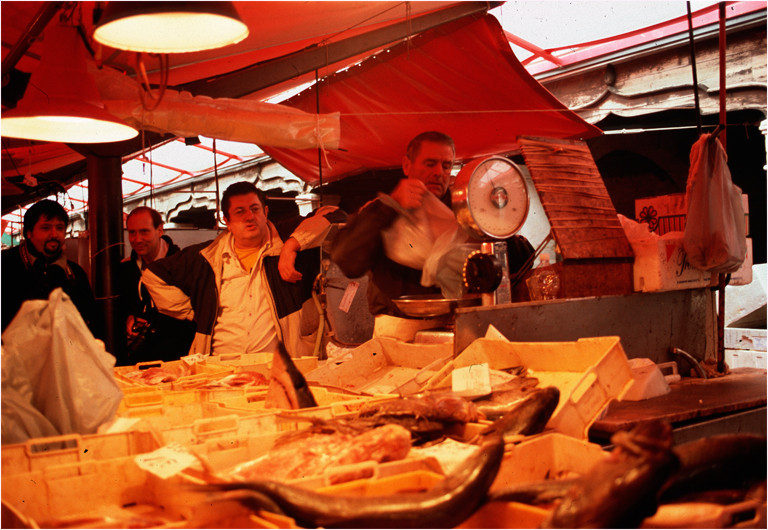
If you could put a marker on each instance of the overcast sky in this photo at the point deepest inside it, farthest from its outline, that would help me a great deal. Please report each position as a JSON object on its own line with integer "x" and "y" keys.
{"x": 554, "y": 23}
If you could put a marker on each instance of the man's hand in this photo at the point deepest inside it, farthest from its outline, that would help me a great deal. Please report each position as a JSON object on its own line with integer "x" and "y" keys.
{"x": 286, "y": 263}
{"x": 409, "y": 193}
{"x": 130, "y": 322}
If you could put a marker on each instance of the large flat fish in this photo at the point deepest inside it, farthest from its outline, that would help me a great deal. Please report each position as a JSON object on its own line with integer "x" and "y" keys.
{"x": 444, "y": 506}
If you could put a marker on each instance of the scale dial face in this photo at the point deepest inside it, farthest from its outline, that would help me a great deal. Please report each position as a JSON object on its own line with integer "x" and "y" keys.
{"x": 495, "y": 196}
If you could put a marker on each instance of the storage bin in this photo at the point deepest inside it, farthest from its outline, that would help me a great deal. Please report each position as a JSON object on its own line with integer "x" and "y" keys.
{"x": 589, "y": 373}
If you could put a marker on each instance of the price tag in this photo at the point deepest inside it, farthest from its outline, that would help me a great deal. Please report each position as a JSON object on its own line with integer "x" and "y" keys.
{"x": 349, "y": 295}
{"x": 167, "y": 461}
{"x": 472, "y": 381}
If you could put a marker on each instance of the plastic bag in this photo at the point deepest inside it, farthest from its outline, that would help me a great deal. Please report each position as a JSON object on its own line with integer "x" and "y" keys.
{"x": 444, "y": 265}
{"x": 714, "y": 238}
{"x": 55, "y": 374}
{"x": 410, "y": 238}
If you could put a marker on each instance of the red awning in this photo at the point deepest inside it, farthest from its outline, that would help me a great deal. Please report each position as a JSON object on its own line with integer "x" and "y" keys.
{"x": 461, "y": 78}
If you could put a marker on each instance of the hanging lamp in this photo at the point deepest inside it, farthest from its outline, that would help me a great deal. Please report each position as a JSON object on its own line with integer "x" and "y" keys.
{"x": 61, "y": 102}
{"x": 169, "y": 27}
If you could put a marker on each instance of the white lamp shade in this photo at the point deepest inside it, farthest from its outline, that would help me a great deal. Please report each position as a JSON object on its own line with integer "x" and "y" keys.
{"x": 61, "y": 102}
{"x": 169, "y": 27}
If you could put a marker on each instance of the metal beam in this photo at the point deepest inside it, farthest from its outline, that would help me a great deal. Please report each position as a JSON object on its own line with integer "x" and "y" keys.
{"x": 259, "y": 76}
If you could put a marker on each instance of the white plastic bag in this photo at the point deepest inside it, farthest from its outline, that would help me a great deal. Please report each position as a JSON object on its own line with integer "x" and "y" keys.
{"x": 55, "y": 374}
{"x": 714, "y": 239}
{"x": 410, "y": 238}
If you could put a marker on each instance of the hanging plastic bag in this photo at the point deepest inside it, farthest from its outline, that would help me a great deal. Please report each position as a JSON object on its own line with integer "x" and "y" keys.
{"x": 714, "y": 238}
{"x": 410, "y": 238}
{"x": 55, "y": 374}
{"x": 444, "y": 265}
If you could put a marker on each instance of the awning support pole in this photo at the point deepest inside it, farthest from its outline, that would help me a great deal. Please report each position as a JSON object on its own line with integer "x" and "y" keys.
{"x": 105, "y": 226}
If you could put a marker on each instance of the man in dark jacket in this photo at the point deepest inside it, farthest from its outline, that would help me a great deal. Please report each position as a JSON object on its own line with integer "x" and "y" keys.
{"x": 358, "y": 248}
{"x": 38, "y": 265}
{"x": 149, "y": 335}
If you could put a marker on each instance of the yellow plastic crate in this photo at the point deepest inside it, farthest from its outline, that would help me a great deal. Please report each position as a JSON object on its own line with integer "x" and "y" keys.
{"x": 589, "y": 373}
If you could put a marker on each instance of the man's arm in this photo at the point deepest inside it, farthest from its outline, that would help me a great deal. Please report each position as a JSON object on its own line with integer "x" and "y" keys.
{"x": 358, "y": 246}
{"x": 309, "y": 234}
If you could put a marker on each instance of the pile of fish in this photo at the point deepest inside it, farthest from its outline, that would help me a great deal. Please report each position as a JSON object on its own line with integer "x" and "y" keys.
{"x": 445, "y": 505}
{"x": 645, "y": 470}
{"x": 239, "y": 380}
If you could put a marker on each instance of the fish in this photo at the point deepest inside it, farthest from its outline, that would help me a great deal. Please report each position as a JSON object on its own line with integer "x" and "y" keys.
{"x": 506, "y": 396}
{"x": 428, "y": 415}
{"x": 288, "y": 389}
{"x": 152, "y": 376}
{"x": 735, "y": 461}
{"x": 535, "y": 493}
{"x": 621, "y": 490}
{"x": 313, "y": 454}
{"x": 529, "y": 416}
{"x": 445, "y": 505}
{"x": 239, "y": 380}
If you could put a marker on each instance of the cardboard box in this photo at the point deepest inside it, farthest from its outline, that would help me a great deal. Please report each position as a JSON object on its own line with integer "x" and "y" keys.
{"x": 384, "y": 366}
{"x": 661, "y": 264}
{"x": 589, "y": 373}
{"x": 667, "y": 213}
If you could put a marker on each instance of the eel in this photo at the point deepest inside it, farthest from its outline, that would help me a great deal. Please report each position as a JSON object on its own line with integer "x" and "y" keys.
{"x": 445, "y": 505}
{"x": 620, "y": 491}
{"x": 723, "y": 461}
{"x": 529, "y": 416}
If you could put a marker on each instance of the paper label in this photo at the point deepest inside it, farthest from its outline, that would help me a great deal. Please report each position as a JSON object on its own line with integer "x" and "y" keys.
{"x": 167, "y": 461}
{"x": 473, "y": 380}
{"x": 349, "y": 295}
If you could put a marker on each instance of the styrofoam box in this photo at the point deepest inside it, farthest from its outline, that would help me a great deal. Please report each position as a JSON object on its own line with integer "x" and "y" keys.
{"x": 743, "y": 276}
{"x": 40, "y": 453}
{"x": 548, "y": 456}
{"x": 384, "y": 366}
{"x": 746, "y": 359}
{"x": 746, "y": 339}
{"x": 661, "y": 264}
{"x": 589, "y": 373}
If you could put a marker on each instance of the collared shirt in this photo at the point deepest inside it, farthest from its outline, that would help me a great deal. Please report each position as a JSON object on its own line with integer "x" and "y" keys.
{"x": 244, "y": 323}
{"x": 161, "y": 253}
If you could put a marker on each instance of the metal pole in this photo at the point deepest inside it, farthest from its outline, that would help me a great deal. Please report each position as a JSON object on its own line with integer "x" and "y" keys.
{"x": 722, "y": 278}
{"x": 105, "y": 228}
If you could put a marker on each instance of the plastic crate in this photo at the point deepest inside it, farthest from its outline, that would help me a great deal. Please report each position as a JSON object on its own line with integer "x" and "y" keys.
{"x": 384, "y": 366}
{"x": 189, "y": 375}
{"x": 113, "y": 493}
{"x": 330, "y": 404}
{"x": 589, "y": 373}
{"x": 547, "y": 456}
{"x": 40, "y": 453}
{"x": 258, "y": 362}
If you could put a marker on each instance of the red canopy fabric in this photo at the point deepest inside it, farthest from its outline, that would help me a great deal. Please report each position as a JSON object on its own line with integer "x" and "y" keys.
{"x": 461, "y": 78}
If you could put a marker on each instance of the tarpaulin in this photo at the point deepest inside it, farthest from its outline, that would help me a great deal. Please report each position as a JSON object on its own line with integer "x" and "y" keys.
{"x": 461, "y": 78}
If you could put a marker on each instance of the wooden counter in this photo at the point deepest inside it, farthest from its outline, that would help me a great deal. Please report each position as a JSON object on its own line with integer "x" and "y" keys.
{"x": 693, "y": 402}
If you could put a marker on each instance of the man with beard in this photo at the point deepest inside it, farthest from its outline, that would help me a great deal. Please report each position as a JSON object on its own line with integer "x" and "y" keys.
{"x": 149, "y": 335}
{"x": 38, "y": 265}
